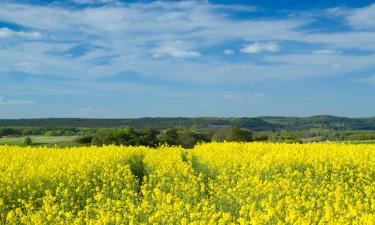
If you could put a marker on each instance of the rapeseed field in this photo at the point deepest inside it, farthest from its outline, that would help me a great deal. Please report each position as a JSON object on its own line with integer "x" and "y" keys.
{"x": 216, "y": 183}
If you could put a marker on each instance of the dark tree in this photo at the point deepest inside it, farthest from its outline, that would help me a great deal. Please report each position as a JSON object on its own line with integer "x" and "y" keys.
{"x": 240, "y": 135}
{"x": 28, "y": 141}
{"x": 168, "y": 136}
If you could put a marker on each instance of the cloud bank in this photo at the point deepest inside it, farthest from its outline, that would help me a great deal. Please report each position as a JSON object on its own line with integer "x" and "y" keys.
{"x": 184, "y": 41}
{"x": 115, "y": 58}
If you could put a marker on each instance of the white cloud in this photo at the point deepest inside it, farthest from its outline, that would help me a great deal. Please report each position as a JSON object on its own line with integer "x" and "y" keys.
{"x": 337, "y": 12}
{"x": 314, "y": 65}
{"x": 175, "y": 49}
{"x": 325, "y": 51}
{"x": 238, "y": 8}
{"x": 228, "y": 52}
{"x": 258, "y": 47}
{"x": 93, "y": 1}
{"x": 176, "y": 53}
{"x": 358, "y": 40}
{"x": 145, "y": 37}
{"x": 15, "y": 102}
{"x": 8, "y": 33}
{"x": 362, "y": 18}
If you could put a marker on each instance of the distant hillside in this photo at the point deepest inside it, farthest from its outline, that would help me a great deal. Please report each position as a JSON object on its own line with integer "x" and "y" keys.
{"x": 258, "y": 123}
{"x": 322, "y": 122}
{"x": 155, "y": 123}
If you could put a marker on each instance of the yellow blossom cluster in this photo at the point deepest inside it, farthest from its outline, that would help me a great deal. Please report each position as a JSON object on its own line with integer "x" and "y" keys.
{"x": 216, "y": 183}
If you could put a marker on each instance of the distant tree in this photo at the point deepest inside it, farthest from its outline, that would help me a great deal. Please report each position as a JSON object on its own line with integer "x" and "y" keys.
{"x": 260, "y": 137}
{"x": 28, "y": 141}
{"x": 186, "y": 138}
{"x": 128, "y": 136}
{"x": 96, "y": 140}
{"x": 104, "y": 137}
{"x": 86, "y": 139}
{"x": 240, "y": 135}
{"x": 182, "y": 136}
{"x": 148, "y": 138}
{"x": 168, "y": 136}
{"x": 200, "y": 137}
{"x": 220, "y": 135}
{"x": 128, "y": 131}
{"x": 10, "y": 131}
{"x": 361, "y": 136}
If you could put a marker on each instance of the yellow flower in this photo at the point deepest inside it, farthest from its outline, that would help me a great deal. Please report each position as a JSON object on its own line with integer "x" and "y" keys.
{"x": 216, "y": 183}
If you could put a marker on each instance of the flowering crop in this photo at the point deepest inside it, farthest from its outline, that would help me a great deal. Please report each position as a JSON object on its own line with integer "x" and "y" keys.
{"x": 217, "y": 183}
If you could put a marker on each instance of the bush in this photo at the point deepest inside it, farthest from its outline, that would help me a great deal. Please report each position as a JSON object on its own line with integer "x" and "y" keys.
{"x": 28, "y": 141}
{"x": 84, "y": 139}
{"x": 260, "y": 137}
{"x": 10, "y": 132}
{"x": 240, "y": 135}
{"x": 168, "y": 136}
{"x": 361, "y": 136}
{"x": 220, "y": 135}
{"x": 127, "y": 136}
{"x": 183, "y": 137}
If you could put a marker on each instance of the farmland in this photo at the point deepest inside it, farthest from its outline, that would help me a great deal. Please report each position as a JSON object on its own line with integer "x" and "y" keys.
{"x": 186, "y": 131}
{"x": 39, "y": 140}
{"x": 216, "y": 183}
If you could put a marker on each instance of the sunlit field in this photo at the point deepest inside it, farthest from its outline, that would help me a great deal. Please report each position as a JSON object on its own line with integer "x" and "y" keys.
{"x": 227, "y": 183}
{"x": 39, "y": 140}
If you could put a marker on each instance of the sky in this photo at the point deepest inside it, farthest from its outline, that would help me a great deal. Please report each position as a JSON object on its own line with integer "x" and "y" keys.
{"x": 227, "y": 58}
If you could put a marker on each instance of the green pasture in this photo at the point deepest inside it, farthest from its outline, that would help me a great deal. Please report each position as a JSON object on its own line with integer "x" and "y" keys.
{"x": 40, "y": 140}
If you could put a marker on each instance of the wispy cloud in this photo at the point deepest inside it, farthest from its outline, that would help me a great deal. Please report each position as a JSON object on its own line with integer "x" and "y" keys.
{"x": 93, "y": 1}
{"x": 228, "y": 52}
{"x": 325, "y": 51}
{"x": 176, "y": 49}
{"x": 362, "y": 18}
{"x": 258, "y": 47}
{"x": 175, "y": 41}
{"x": 8, "y": 33}
{"x": 15, "y": 102}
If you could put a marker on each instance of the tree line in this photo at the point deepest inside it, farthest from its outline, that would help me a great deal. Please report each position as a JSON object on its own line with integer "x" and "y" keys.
{"x": 187, "y": 137}
{"x": 184, "y": 137}
{"x": 255, "y": 123}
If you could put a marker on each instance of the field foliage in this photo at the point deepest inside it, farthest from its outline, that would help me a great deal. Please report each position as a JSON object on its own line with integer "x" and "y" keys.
{"x": 217, "y": 183}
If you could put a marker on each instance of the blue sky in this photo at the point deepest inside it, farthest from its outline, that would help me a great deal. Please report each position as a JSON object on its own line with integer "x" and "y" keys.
{"x": 126, "y": 59}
